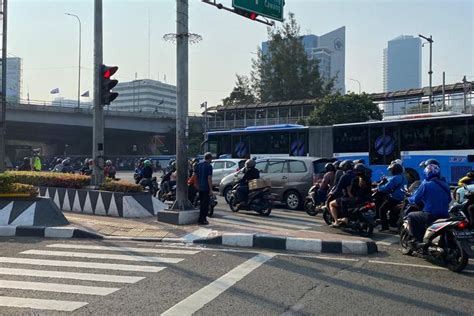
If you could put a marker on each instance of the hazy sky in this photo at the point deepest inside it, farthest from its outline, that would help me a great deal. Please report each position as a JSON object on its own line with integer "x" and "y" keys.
{"x": 47, "y": 40}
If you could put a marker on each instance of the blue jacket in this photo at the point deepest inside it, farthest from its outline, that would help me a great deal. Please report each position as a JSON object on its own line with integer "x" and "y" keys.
{"x": 394, "y": 187}
{"x": 435, "y": 194}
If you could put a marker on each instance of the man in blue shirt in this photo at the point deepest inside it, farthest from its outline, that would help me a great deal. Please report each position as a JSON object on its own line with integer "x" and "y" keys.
{"x": 393, "y": 191}
{"x": 435, "y": 195}
{"x": 204, "y": 174}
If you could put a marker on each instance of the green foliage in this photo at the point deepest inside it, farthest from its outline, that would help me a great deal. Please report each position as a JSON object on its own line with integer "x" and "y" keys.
{"x": 242, "y": 93}
{"x": 6, "y": 181}
{"x": 285, "y": 72}
{"x": 8, "y": 186}
{"x": 196, "y": 137}
{"x": 349, "y": 108}
{"x": 120, "y": 186}
{"x": 50, "y": 179}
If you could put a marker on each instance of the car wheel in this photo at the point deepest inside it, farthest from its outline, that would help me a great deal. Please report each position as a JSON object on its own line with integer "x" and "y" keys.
{"x": 227, "y": 194}
{"x": 292, "y": 200}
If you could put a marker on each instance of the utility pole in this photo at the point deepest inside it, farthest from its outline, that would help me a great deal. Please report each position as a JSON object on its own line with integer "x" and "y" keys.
{"x": 98, "y": 114}
{"x": 4, "y": 87}
{"x": 182, "y": 203}
{"x": 430, "y": 72}
{"x": 444, "y": 91}
{"x": 79, "y": 70}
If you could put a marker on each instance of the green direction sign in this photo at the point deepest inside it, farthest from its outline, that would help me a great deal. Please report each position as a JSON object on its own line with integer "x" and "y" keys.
{"x": 272, "y": 9}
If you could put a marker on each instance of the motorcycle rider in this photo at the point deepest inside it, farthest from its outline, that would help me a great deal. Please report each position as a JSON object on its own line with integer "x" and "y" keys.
{"x": 339, "y": 171}
{"x": 147, "y": 174}
{"x": 66, "y": 166}
{"x": 138, "y": 171}
{"x": 392, "y": 194}
{"x": 86, "y": 168}
{"x": 59, "y": 165}
{"x": 25, "y": 166}
{"x": 435, "y": 195}
{"x": 109, "y": 170}
{"x": 326, "y": 183}
{"x": 339, "y": 195}
{"x": 166, "y": 180}
{"x": 250, "y": 173}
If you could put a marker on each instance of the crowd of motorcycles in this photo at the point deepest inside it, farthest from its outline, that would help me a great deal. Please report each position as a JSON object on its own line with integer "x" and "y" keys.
{"x": 446, "y": 241}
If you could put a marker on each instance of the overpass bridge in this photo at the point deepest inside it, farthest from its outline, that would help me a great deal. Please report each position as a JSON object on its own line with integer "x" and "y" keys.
{"x": 60, "y": 131}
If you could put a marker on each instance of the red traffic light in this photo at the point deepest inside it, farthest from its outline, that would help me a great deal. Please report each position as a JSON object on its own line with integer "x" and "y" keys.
{"x": 253, "y": 16}
{"x": 108, "y": 72}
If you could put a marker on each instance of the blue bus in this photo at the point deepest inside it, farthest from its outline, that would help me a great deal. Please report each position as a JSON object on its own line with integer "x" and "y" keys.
{"x": 445, "y": 136}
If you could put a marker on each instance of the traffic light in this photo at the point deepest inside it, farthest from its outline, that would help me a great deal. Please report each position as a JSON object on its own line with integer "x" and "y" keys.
{"x": 108, "y": 84}
{"x": 249, "y": 15}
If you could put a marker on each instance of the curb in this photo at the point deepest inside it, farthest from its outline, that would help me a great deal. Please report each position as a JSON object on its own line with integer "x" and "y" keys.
{"x": 292, "y": 243}
{"x": 49, "y": 232}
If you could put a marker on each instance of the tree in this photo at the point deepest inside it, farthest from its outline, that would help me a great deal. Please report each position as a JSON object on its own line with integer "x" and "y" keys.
{"x": 349, "y": 108}
{"x": 285, "y": 72}
{"x": 242, "y": 93}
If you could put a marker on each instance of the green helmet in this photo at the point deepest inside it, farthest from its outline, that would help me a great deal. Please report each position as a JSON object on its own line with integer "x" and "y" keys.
{"x": 147, "y": 163}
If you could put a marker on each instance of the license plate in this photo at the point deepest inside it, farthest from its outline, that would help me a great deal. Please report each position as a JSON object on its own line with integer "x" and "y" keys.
{"x": 465, "y": 234}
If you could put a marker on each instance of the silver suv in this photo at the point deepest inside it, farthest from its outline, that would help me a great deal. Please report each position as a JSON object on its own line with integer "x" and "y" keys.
{"x": 224, "y": 167}
{"x": 291, "y": 177}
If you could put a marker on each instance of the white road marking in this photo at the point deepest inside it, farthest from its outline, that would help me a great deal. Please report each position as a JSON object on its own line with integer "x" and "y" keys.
{"x": 125, "y": 249}
{"x": 71, "y": 275}
{"x": 57, "y": 287}
{"x": 407, "y": 264}
{"x": 208, "y": 293}
{"x": 81, "y": 264}
{"x": 253, "y": 225}
{"x": 268, "y": 222}
{"x": 53, "y": 305}
{"x": 101, "y": 256}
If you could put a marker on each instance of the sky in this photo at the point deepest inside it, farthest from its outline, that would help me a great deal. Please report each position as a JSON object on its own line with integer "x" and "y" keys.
{"x": 47, "y": 40}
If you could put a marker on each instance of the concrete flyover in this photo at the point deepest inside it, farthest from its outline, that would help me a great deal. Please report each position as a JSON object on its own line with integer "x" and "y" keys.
{"x": 117, "y": 120}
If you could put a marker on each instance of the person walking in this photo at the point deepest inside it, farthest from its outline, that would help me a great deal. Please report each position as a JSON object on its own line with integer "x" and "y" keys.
{"x": 204, "y": 174}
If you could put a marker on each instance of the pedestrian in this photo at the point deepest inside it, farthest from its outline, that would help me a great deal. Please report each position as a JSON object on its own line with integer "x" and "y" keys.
{"x": 204, "y": 174}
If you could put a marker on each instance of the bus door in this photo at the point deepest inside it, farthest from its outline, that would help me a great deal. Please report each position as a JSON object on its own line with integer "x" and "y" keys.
{"x": 384, "y": 145}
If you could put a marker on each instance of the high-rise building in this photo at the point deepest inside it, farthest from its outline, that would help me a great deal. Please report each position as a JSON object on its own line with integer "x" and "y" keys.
{"x": 402, "y": 64}
{"x": 145, "y": 95}
{"x": 330, "y": 50}
{"x": 14, "y": 78}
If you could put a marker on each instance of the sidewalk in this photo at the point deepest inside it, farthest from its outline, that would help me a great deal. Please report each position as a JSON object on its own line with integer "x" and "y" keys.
{"x": 218, "y": 232}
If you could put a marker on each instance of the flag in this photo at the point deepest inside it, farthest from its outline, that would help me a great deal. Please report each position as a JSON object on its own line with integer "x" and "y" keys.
{"x": 55, "y": 91}
{"x": 85, "y": 94}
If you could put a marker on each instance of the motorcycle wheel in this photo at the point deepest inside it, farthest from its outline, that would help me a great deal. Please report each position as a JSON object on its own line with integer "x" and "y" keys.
{"x": 309, "y": 208}
{"x": 233, "y": 204}
{"x": 211, "y": 211}
{"x": 456, "y": 258}
{"x": 327, "y": 216}
{"x": 160, "y": 195}
{"x": 404, "y": 239}
{"x": 366, "y": 230}
{"x": 267, "y": 210}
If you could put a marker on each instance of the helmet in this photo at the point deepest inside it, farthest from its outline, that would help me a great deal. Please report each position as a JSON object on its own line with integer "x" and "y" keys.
{"x": 66, "y": 162}
{"x": 470, "y": 174}
{"x": 431, "y": 171}
{"x": 359, "y": 168}
{"x": 425, "y": 163}
{"x": 59, "y": 160}
{"x": 395, "y": 168}
{"x": 336, "y": 164}
{"x": 346, "y": 165}
{"x": 362, "y": 161}
{"x": 108, "y": 162}
{"x": 250, "y": 163}
{"x": 147, "y": 163}
{"x": 26, "y": 159}
{"x": 399, "y": 161}
{"x": 329, "y": 167}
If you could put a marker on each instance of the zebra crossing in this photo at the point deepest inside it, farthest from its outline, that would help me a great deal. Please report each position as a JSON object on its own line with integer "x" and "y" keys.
{"x": 78, "y": 269}
{"x": 278, "y": 219}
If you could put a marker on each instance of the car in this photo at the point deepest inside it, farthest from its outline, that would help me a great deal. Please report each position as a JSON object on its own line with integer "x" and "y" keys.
{"x": 290, "y": 177}
{"x": 224, "y": 167}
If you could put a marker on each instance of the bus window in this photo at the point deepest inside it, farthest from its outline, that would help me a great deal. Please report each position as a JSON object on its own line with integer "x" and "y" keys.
{"x": 351, "y": 139}
{"x": 415, "y": 136}
{"x": 278, "y": 143}
{"x": 392, "y": 148}
{"x": 241, "y": 148}
{"x": 471, "y": 133}
{"x": 377, "y": 146}
{"x": 298, "y": 144}
{"x": 260, "y": 143}
{"x": 224, "y": 145}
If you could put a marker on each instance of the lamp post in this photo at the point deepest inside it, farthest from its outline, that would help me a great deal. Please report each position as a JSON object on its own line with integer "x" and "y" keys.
{"x": 357, "y": 82}
{"x": 79, "y": 70}
{"x": 430, "y": 72}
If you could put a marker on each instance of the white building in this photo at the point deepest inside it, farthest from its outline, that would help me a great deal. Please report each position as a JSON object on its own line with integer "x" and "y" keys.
{"x": 145, "y": 95}
{"x": 14, "y": 78}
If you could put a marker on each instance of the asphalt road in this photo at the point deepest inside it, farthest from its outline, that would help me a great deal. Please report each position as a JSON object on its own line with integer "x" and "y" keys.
{"x": 59, "y": 277}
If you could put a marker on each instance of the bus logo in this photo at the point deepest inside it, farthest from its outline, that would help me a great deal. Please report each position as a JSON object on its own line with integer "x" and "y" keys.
{"x": 384, "y": 145}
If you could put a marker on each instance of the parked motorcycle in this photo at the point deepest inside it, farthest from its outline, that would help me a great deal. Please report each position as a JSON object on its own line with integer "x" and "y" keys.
{"x": 259, "y": 200}
{"x": 361, "y": 218}
{"x": 446, "y": 241}
{"x": 311, "y": 205}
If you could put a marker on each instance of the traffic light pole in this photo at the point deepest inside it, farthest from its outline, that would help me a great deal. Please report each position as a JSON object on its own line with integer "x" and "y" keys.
{"x": 4, "y": 88}
{"x": 182, "y": 202}
{"x": 98, "y": 114}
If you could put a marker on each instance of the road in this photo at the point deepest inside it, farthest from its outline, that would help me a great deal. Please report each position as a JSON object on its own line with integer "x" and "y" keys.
{"x": 117, "y": 278}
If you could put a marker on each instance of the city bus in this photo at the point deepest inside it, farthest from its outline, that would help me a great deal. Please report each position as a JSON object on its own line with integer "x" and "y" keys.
{"x": 444, "y": 136}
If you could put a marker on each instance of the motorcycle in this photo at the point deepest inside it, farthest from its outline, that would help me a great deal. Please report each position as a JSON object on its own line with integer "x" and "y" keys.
{"x": 150, "y": 186}
{"x": 259, "y": 200}
{"x": 166, "y": 195}
{"x": 361, "y": 218}
{"x": 445, "y": 241}
{"x": 311, "y": 205}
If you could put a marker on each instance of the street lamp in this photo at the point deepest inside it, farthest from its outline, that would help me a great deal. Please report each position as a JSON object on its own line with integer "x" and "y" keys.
{"x": 357, "y": 82}
{"x": 430, "y": 72}
{"x": 79, "y": 70}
